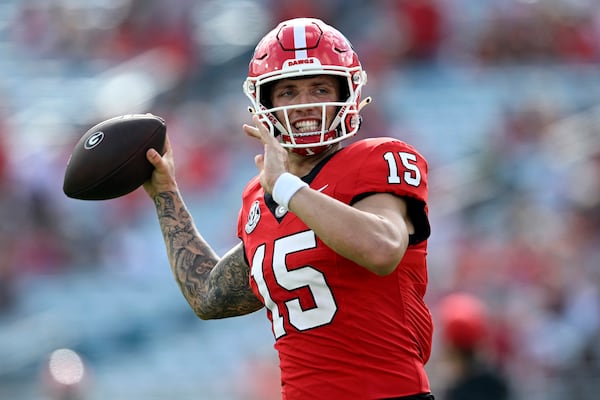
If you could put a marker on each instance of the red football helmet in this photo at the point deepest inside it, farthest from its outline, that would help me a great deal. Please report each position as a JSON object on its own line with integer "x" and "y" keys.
{"x": 303, "y": 47}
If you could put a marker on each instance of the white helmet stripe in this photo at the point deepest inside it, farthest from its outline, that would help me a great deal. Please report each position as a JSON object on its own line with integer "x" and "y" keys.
{"x": 300, "y": 41}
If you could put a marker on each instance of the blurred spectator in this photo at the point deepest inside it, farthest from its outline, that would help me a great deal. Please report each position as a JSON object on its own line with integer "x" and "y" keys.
{"x": 538, "y": 32}
{"x": 287, "y": 9}
{"x": 422, "y": 23}
{"x": 8, "y": 275}
{"x": 465, "y": 337}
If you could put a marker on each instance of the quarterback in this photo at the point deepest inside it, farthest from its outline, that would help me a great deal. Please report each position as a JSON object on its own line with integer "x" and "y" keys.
{"x": 333, "y": 238}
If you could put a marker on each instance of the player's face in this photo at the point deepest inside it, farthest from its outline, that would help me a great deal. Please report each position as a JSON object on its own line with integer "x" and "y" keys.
{"x": 317, "y": 89}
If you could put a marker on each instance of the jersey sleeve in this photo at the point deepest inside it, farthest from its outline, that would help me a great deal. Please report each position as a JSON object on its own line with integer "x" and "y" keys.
{"x": 247, "y": 211}
{"x": 392, "y": 166}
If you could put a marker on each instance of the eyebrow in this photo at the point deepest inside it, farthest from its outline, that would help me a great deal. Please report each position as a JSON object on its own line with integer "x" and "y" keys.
{"x": 291, "y": 84}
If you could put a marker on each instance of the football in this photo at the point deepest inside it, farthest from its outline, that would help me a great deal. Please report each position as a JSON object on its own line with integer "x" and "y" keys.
{"x": 109, "y": 160}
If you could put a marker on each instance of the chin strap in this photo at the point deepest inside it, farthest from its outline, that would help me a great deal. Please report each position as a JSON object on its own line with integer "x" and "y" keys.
{"x": 363, "y": 103}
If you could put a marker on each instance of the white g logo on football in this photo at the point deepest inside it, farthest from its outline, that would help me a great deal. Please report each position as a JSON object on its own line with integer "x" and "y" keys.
{"x": 94, "y": 140}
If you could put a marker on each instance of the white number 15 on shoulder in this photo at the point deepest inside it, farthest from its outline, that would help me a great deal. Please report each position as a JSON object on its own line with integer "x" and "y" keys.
{"x": 411, "y": 173}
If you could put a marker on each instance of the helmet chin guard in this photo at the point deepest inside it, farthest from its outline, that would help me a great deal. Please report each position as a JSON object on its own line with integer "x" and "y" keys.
{"x": 303, "y": 48}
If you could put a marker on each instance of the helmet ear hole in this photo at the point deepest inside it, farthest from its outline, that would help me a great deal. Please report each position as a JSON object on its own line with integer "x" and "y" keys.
{"x": 343, "y": 88}
{"x": 265, "y": 94}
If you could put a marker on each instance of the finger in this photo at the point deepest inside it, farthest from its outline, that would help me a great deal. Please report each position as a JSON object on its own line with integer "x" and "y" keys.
{"x": 263, "y": 131}
{"x": 154, "y": 156}
{"x": 251, "y": 131}
{"x": 167, "y": 146}
{"x": 259, "y": 160}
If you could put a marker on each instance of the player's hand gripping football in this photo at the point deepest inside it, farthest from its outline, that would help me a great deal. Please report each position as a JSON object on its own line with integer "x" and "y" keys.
{"x": 274, "y": 161}
{"x": 163, "y": 176}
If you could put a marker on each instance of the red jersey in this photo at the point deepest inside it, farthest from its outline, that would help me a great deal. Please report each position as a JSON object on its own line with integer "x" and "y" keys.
{"x": 341, "y": 331}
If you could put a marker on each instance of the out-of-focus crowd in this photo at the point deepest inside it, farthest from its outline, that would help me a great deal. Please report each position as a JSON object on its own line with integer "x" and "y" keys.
{"x": 523, "y": 234}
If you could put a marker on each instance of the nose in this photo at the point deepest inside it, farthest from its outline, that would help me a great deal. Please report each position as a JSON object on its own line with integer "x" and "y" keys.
{"x": 305, "y": 97}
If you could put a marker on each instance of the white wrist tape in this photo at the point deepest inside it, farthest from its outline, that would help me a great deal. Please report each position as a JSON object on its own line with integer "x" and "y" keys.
{"x": 285, "y": 187}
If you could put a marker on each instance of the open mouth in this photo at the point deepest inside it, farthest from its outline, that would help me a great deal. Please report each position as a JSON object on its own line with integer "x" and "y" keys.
{"x": 307, "y": 127}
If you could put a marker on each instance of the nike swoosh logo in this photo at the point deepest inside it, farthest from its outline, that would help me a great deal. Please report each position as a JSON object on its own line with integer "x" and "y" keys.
{"x": 323, "y": 188}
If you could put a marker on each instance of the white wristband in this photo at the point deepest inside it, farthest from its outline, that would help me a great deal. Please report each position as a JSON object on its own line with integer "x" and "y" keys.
{"x": 285, "y": 187}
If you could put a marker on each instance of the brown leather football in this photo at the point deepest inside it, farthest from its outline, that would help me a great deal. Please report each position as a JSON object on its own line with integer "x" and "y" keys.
{"x": 109, "y": 160}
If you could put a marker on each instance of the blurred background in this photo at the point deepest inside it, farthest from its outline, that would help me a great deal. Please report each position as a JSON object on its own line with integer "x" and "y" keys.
{"x": 501, "y": 96}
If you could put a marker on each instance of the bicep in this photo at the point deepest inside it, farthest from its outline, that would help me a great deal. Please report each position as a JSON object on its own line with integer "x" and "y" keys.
{"x": 229, "y": 293}
{"x": 389, "y": 207}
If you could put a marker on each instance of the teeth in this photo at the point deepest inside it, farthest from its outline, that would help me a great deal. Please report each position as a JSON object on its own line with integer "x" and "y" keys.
{"x": 307, "y": 126}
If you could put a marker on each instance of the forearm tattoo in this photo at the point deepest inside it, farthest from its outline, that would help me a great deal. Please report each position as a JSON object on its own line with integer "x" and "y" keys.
{"x": 214, "y": 287}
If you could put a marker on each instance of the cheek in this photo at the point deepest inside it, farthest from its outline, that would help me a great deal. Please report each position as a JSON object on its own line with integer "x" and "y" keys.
{"x": 280, "y": 115}
{"x": 331, "y": 113}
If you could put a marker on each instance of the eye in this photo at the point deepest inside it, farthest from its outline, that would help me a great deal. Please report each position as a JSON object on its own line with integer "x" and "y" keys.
{"x": 324, "y": 91}
{"x": 285, "y": 92}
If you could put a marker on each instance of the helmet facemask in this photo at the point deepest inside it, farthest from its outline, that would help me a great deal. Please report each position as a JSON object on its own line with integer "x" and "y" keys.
{"x": 344, "y": 124}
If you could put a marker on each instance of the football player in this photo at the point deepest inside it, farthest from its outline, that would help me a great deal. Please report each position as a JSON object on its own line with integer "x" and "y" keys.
{"x": 333, "y": 239}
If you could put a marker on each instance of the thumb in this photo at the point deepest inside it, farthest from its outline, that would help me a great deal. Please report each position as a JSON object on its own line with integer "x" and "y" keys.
{"x": 153, "y": 157}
